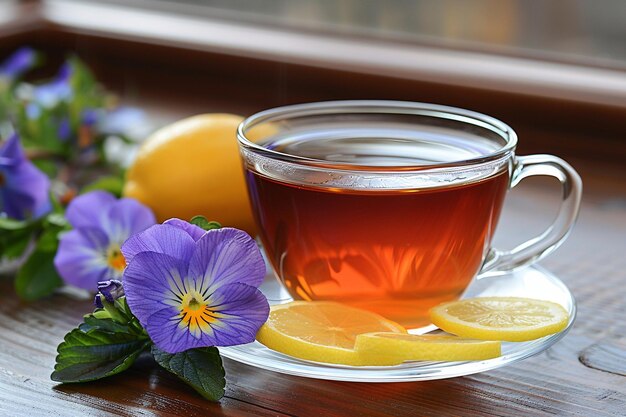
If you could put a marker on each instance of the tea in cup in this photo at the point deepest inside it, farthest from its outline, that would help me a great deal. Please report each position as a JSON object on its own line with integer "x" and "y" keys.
{"x": 389, "y": 206}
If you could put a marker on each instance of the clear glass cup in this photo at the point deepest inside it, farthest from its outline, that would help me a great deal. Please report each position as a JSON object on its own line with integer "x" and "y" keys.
{"x": 390, "y": 206}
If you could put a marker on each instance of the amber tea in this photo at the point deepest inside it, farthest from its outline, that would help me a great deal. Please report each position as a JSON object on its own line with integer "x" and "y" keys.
{"x": 389, "y": 206}
{"x": 395, "y": 252}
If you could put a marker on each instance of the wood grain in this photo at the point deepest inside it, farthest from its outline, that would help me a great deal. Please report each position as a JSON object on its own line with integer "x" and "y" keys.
{"x": 606, "y": 355}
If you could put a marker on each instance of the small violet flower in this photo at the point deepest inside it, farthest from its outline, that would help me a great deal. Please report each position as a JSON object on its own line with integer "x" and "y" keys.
{"x": 59, "y": 89}
{"x": 90, "y": 253}
{"x": 111, "y": 290}
{"x": 89, "y": 117}
{"x": 64, "y": 130}
{"x": 190, "y": 288}
{"x": 24, "y": 189}
{"x": 17, "y": 64}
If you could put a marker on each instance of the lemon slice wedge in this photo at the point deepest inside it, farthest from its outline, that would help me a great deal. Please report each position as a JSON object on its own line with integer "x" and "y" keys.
{"x": 324, "y": 331}
{"x": 410, "y": 347}
{"x": 500, "y": 318}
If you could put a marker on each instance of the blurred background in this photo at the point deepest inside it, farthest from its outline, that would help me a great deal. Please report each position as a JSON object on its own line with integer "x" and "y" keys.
{"x": 555, "y": 71}
{"x": 583, "y": 31}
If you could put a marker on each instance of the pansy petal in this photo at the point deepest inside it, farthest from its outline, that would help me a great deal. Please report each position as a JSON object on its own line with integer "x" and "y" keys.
{"x": 226, "y": 256}
{"x": 160, "y": 238}
{"x": 89, "y": 210}
{"x": 164, "y": 330}
{"x": 28, "y": 190}
{"x": 241, "y": 309}
{"x": 24, "y": 192}
{"x": 194, "y": 231}
{"x": 80, "y": 258}
{"x": 125, "y": 218}
{"x": 15, "y": 204}
{"x": 25, "y": 189}
{"x": 153, "y": 282}
{"x": 11, "y": 149}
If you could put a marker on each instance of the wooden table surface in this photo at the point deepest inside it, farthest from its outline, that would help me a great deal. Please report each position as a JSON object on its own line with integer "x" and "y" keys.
{"x": 582, "y": 375}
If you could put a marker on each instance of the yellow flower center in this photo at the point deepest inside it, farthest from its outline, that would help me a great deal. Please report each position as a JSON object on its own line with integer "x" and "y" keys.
{"x": 115, "y": 259}
{"x": 195, "y": 313}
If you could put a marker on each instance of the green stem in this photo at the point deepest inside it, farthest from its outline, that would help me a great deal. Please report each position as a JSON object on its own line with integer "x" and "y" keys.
{"x": 115, "y": 314}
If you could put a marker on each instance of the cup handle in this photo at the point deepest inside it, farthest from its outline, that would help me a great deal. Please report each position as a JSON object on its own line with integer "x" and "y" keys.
{"x": 499, "y": 262}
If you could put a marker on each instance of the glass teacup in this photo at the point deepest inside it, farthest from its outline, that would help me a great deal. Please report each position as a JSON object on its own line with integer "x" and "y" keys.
{"x": 389, "y": 206}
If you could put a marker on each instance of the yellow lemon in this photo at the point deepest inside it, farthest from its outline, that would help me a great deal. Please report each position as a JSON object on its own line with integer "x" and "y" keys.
{"x": 410, "y": 347}
{"x": 193, "y": 167}
{"x": 324, "y": 331}
{"x": 500, "y": 318}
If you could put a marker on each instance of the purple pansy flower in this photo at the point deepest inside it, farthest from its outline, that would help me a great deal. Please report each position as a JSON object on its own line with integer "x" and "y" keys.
{"x": 190, "y": 288}
{"x": 17, "y": 64}
{"x": 91, "y": 252}
{"x": 24, "y": 189}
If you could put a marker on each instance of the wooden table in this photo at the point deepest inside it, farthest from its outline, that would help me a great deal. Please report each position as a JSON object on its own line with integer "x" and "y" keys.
{"x": 582, "y": 375}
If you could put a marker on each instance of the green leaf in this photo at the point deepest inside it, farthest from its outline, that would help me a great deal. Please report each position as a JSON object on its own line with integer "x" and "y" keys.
{"x": 113, "y": 184}
{"x": 38, "y": 277}
{"x": 87, "y": 356}
{"x": 57, "y": 207}
{"x": 91, "y": 322}
{"x": 14, "y": 243}
{"x": 49, "y": 240}
{"x": 50, "y": 168}
{"x": 202, "y": 222}
{"x": 201, "y": 368}
{"x": 15, "y": 235}
{"x": 87, "y": 92}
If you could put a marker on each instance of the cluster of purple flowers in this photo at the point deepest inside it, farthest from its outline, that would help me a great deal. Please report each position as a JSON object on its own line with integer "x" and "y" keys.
{"x": 24, "y": 189}
{"x": 188, "y": 287}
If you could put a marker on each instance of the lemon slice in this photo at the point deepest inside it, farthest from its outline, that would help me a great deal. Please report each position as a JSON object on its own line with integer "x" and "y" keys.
{"x": 410, "y": 347}
{"x": 500, "y": 318}
{"x": 324, "y": 331}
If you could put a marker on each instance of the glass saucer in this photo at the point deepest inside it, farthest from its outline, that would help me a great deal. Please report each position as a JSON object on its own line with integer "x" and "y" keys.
{"x": 532, "y": 282}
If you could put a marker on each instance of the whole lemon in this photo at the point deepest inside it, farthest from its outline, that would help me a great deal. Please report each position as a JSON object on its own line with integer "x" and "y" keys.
{"x": 192, "y": 167}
